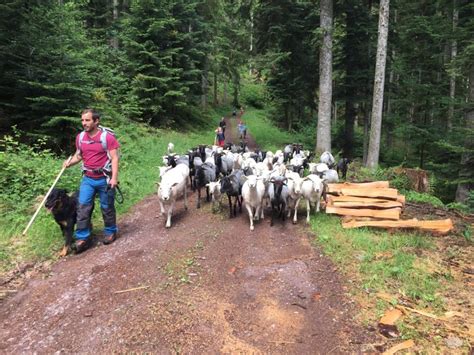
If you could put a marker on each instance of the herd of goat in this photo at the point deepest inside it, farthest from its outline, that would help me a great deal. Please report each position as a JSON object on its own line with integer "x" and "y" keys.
{"x": 253, "y": 178}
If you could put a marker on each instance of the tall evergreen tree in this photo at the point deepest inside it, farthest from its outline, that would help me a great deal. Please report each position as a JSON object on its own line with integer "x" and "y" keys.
{"x": 323, "y": 139}
{"x": 377, "y": 105}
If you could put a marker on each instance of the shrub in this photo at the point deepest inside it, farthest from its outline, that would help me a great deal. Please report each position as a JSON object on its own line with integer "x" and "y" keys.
{"x": 414, "y": 196}
{"x": 253, "y": 95}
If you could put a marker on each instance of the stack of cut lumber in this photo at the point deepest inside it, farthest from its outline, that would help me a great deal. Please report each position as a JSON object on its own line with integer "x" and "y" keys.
{"x": 375, "y": 204}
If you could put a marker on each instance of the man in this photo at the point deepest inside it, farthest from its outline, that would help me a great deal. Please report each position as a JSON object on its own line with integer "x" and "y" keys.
{"x": 222, "y": 124}
{"x": 98, "y": 150}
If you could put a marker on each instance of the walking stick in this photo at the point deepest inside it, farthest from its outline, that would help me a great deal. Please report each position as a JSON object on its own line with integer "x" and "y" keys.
{"x": 45, "y": 197}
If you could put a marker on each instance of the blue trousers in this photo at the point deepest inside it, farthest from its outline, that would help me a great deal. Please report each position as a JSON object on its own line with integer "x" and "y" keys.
{"x": 89, "y": 188}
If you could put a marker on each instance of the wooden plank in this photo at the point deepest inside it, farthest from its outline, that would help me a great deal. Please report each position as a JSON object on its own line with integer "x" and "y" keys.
{"x": 367, "y": 204}
{"x": 356, "y": 199}
{"x": 393, "y": 213}
{"x": 401, "y": 198}
{"x": 442, "y": 226}
{"x": 335, "y": 188}
{"x": 380, "y": 193}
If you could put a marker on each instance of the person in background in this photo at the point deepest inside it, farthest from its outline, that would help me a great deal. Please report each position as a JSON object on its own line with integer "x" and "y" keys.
{"x": 220, "y": 138}
{"x": 222, "y": 124}
{"x": 242, "y": 130}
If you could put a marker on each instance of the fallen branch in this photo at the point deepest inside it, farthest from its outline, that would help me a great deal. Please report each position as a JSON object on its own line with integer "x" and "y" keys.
{"x": 405, "y": 345}
{"x": 132, "y": 289}
{"x": 446, "y": 317}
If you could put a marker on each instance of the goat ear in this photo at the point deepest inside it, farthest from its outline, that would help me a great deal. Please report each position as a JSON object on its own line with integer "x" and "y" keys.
{"x": 207, "y": 185}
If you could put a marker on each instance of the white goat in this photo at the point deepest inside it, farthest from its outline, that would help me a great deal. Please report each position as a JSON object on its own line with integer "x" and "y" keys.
{"x": 330, "y": 176}
{"x": 172, "y": 186}
{"x": 215, "y": 192}
{"x": 311, "y": 190}
{"x": 163, "y": 170}
{"x": 170, "y": 148}
{"x": 328, "y": 159}
{"x": 294, "y": 189}
{"x": 317, "y": 168}
{"x": 253, "y": 191}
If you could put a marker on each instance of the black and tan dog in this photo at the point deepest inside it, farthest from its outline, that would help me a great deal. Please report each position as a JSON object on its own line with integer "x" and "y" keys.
{"x": 64, "y": 209}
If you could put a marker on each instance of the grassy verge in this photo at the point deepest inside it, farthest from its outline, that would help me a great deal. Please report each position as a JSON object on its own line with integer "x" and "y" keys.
{"x": 142, "y": 148}
{"x": 408, "y": 267}
{"x": 270, "y": 137}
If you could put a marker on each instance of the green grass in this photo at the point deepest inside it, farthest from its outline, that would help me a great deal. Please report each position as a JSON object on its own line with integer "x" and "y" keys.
{"x": 142, "y": 148}
{"x": 382, "y": 261}
{"x": 270, "y": 137}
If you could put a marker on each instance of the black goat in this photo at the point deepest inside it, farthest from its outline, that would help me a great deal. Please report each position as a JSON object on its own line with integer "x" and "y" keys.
{"x": 223, "y": 164}
{"x": 204, "y": 175}
{"x": 232, "y": 186}
{"x": 278, "y": 193}
{"x": 170, "y": 160}
{"x": 342, "y": 166}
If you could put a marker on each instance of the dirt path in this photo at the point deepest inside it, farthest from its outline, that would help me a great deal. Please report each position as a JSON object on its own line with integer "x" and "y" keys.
{"x": 206, "y": 285}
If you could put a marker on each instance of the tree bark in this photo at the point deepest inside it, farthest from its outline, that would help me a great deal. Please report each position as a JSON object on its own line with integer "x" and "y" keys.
{"x": 215, "y": 89}
{"x": 323, "y": 137}
{"x": 115, "y": 14}
{"x": 204, "y": 84}
{"x": 466, "y": 174}
{"x": 379, "y": 80}
{"x": 225, "y": 92}
{"x": 452, "y": 79}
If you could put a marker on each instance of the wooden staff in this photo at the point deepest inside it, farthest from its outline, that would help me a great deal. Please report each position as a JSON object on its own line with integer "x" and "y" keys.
{"x": 45, "y": 197}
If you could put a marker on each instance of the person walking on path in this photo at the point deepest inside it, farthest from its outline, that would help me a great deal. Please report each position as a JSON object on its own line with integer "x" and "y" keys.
{"x": 220, "y": 137}
{"x": 222, "y": 124}
{"x": 97, "y": 148}
{"x": 242, "y": 130}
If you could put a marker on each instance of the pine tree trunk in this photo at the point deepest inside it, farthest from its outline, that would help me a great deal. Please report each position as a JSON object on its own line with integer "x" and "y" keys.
{"x": 323, "y": 137}
{"x": 204, "y": 84}
{"x": 379, "y": 80}
{"x": 115, "y": 13}
{"x": 215, "y": 89}
{"x": 452, "y": 79}
{"x": 235, "y": 84}
{"x": 349, "y": 129}
{"x": 225, "y": 92}
{"x": 366, "y": 132}
{"x": 466, "y": 174}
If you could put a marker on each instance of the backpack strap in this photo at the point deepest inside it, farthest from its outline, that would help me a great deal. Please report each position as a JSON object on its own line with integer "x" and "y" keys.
{"x": 81, "y": 138}
{"x": 103, "y": 139}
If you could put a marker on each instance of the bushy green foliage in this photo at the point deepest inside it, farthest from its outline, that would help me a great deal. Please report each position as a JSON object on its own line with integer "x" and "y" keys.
{"x": 414, "y": 196}
{"x": 253, "y": 95}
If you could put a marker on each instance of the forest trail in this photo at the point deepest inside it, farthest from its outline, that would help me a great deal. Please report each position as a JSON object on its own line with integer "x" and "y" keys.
{"x": 208, "y": 284}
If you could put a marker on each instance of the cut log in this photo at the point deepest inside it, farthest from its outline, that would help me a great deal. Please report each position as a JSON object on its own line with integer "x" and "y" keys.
{"x": 335, "y": 188}
{"x": 391, "y": 194}
{"x": 356, "y": 202}
{"x": 343, "y": 198}
{"x": 401, "y": 198}
{"x": 367, "y": 204}
{"x": 439, "y": 226}
{"x": 393, "y": 213}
